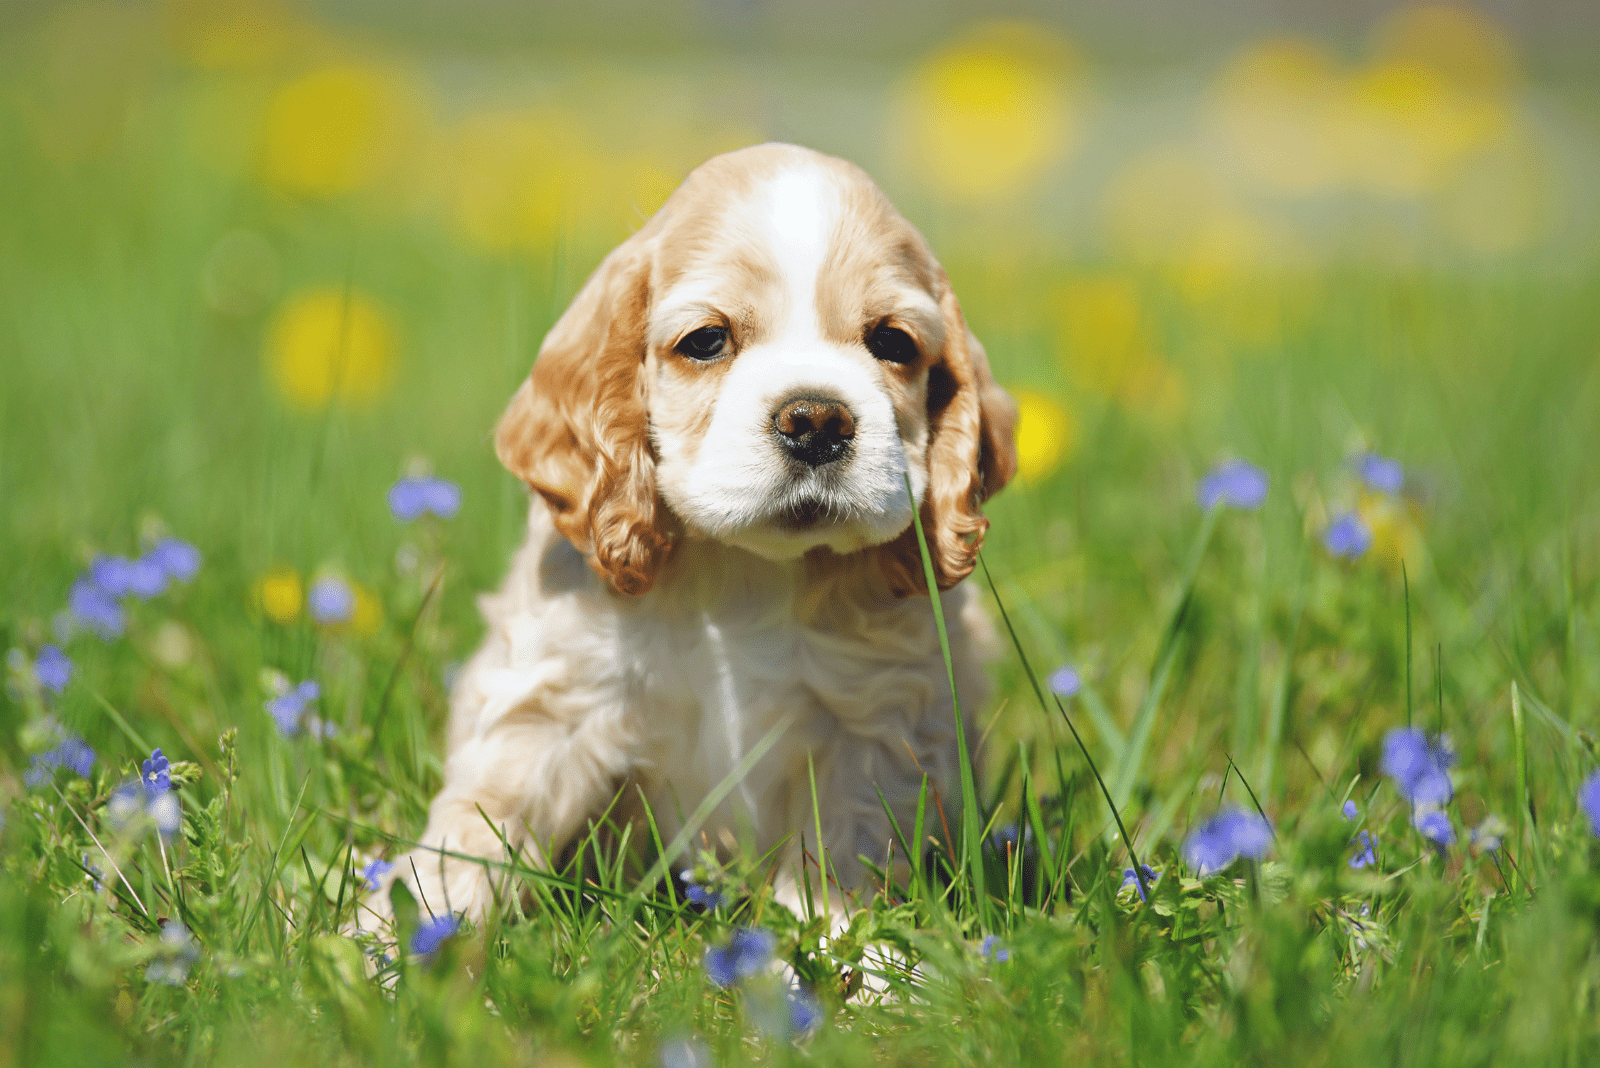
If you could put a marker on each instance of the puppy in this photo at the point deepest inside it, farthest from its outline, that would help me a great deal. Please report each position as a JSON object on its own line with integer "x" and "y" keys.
{"x": 718, "y": 434}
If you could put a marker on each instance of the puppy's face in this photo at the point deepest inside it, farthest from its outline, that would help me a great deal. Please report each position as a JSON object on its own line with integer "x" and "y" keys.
{"x": 765, "y": 364}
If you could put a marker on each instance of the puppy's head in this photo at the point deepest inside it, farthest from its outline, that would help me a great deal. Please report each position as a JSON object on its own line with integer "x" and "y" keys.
{"x": 764, "y": 364}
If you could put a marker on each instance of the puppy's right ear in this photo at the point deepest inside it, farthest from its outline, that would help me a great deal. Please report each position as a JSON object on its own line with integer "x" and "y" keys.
{"x": 577, "y": 431}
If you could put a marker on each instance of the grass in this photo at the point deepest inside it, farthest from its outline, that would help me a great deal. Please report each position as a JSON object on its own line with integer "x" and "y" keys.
{"x": 1226, "y": 658}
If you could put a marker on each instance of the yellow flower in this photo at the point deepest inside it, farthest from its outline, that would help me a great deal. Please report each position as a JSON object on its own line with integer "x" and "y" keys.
{"x": 368, "y": 614}
{"x": 982, "y": 117}
{"x": 334, "y": 129}
{"x": 328, "y": 342}
{"x": 279, "y": 594}
{"x": 1045, "y": 434}
{"x": 1396, "y": 538}
{"x": 1106, "y": 345}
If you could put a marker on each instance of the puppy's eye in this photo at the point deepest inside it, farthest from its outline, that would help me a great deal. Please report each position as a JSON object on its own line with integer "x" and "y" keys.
{"x": 705, "y": 343}
{"x": 891, "y": 345}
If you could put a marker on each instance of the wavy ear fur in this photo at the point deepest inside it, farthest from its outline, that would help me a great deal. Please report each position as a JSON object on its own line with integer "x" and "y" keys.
{"x": 972, "y": 454}
{"x": 577, "y": 431}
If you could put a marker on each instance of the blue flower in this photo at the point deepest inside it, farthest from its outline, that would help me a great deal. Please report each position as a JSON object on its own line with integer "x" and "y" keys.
{"x": 703, "y": 896}
{"x": 1235, "y": 483}
{"x": 1589, "y": 801}
{"x": 178, "y": 559}
{"x": 372, "y": 875}
{"x": 1490, "y": 834}
{"x": 1130, "y": 879}
{"x": 134, "y": 802}
{"x": 1230, "y": 834}
{"x": 431, "y": 935}
{"x": 1381, "y": 473}
{"x": 409, "y": 498}
{"x": 111, "y": 574}
{"x": 331, "y": 600}
{"x": 70, "y": 752}
{"x": 94, "y": 873}
{"x": 805, "y": 1014}
{"x": 1349, "y": 810}
{"x": 1435, "y": 826}
{"x": 992, "y": 949}
{"x": 1347, "y": 537}
{"x": 93, "y": 608}
{"x": 1419, "y": 766}
{"x": 287, "y": 708}
{"x": 1064, "y": 681}
{"x": 748, "y": 951}
{"x": 1364, "y": 855}
{"x": 178, "y": 952}
{"x": 156, "y": 773}
{"x": 145, "y": 578}
{"x": 52, "y": 668}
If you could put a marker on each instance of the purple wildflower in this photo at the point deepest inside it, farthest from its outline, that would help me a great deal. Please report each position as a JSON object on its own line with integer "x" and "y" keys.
{"x": 1364, "y": 856}
{"x": 156, "y": 774}
{"x": 1064, "y": 681}
{"x": 1131, "y": 879}
{"x": 1349, "y": 810}
{"x": 992, "y": 949}
{"x": 111, "y": 574}
{"x": 805, "y": 1014}
{"x": 288, "y": 707}
{"x": 747, "y": 952}
{"x": 70, "y": 752}
{"x": 52, "y": 668}
{"x": 178, "y": 559}
{"x": 409, "y": 498}
{"x": 373, "y": 874}
{"x": 92, "y": 607}
{"x": 1589, "y": 801}
{"x": 704, "y": 896}
{"x": 146, "y": 578}
{"x": 1235, "y": 483}
{"x": 1226, "y": 836}
{"x": 331, "y": 600}
{"x": 1435, "y": 826}
{"x": 1419, "y": 766}
{"x": 1347, "y": 537}
{"x": 432, "y": 934}
{"x": 1380, "y": 472}
{"x": 179, "y": 951}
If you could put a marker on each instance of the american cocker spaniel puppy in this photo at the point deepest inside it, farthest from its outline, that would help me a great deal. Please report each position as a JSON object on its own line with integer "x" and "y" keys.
{"x": 718, "y": 434}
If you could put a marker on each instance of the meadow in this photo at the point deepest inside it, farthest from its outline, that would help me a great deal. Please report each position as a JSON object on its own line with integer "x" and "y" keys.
{"x": 1307, "y": 535}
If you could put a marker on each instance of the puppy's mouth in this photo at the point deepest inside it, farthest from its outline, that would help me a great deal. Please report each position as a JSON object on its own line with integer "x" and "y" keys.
{"x": 803, "y": 515}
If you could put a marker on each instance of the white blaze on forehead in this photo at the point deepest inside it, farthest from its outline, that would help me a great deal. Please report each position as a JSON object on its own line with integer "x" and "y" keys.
{"x": 802, "y": 214}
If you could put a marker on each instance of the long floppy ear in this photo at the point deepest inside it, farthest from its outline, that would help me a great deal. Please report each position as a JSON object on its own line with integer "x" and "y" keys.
{"x": 577, "y": 430}
{"x": 972, "y": 454}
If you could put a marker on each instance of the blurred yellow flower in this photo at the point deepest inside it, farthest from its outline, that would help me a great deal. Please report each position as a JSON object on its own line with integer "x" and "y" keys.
{"x": 1396, "y": 538}
{"x": 368, "y": 614}
{"x": 1045, "y": 434}
{"x": 1458, "y": 42}
{"x": 279, "y": 594}
{"x": 336, "y": 128}
{"x": 515, "y": 177}
{"x": 982, "y": 117}
{"x": 1273, "y": 107}
{"x": 1106, "y": 345}
{"x": 328, "y": 342}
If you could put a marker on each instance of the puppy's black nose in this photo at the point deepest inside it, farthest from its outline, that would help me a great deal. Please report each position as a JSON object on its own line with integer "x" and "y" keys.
{"x": 814, "y": 430}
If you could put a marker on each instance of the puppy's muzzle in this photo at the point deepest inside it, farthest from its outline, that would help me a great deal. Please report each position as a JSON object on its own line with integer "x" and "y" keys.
{"x": 814, "y": 430}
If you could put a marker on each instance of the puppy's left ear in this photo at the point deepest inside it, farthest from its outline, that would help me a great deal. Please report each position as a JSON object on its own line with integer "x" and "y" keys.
{"x": 972, "y": 454}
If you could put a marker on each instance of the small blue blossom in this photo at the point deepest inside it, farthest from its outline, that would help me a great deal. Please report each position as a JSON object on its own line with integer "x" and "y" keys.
{"x": 1435, "y": 826}
{"x": 95, "y": 875}
{"x": 748, "y": 951}
{"x": 1226, "y": 836}
{"x": 178, "y": 951}
{"x": 178, "y": 559}
{"x": 1364, "y": 855}
{"x": 1419, "y": 766}
{"x": 431, "y": 934}
{"x": 805, "y": 1014}
{"x": 52, "y": 668}
{"x": 288, "y": 707}
{"x": 93, "y": 608}
{"x": 70, "y": 752}
{"x": 1380, "y": 472}
{"x": 1235, "y": 483}
{"x": 409, "y": 498}
{"x": 1589, "y": 801}
{"x": 1347, "y": 537}
{"x": 1151, "y": 876}
{"x": 1349, "y": 810}
{"x": 1489, "y": 835}
{"x": 331, "y": 600}
{"x": 703, "y": 896}
{"x": 373, "y": 874}
{"x": 146, "y": 578}
{"x": 132, "y": 803}
{"x": 111, "y": 574}
{"x": 156, "y": 773}
{"x": 992, "y": 949}
{"x": 1064, "y": 681}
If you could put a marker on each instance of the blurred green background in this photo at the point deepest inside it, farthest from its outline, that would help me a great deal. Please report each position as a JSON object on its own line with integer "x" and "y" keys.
{"x": 259, "y": 258}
